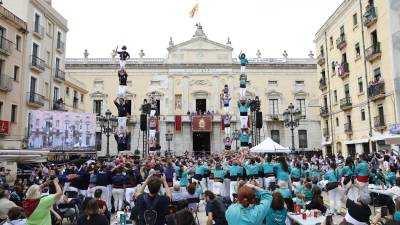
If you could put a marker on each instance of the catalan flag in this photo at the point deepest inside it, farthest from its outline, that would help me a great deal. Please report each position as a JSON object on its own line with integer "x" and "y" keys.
{"x": 194, "y": 10}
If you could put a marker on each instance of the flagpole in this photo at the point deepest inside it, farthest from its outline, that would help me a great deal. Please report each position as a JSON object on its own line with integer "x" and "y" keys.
{"x": 198, "y": 12}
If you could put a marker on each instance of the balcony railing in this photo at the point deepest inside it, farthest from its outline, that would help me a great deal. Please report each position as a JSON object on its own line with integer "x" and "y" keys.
{"x": 35, "y": 99}
{"x": 325, "y": 132}
{"x": 379, "y": 122}
{"x": 6, "y": 83}
{"x": 321, "y": 60}
{"x": 346, "y": 103}
{"x": 274, "y": 117}
{"x": 6, "y": 46}
{"x": 38, "y": 31}
{"x": 324, "y": 111}
{"x": 376, "y": 91}
{"x": 341, "y": 42}
{"x": 60, "y": 46}
{"x": 59, "y": 74}
{"x": 344, "y": 70}
{"x": 370, "y": 16}
{"x": 373, "y": 52}
{"x": 348, "y": 128}
{"x": 37, "y": 63}
{"x": 58, "y": 106}
{"x": 322, "y": 83}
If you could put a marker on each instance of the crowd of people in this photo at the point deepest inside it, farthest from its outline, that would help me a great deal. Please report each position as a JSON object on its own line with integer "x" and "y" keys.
{"x": 235, "y": 188}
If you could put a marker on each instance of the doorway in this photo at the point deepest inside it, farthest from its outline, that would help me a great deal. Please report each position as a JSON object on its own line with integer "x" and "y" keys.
{"x": 201, "y": 143}
{"x": 201, "y": 105}
{"x": 328, "y": 150}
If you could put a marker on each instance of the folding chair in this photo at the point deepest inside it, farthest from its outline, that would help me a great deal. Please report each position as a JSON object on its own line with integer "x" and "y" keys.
{"x": 196, "y": 210}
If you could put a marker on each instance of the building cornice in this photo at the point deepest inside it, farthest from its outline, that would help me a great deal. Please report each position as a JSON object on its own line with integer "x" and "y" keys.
{"x": 13, "y": 19}
{"x": 51, "y": 13}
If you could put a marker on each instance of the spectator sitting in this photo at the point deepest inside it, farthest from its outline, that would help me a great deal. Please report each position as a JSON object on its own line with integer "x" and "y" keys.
{"x": 191, "y": 194}
{"x": 15, "y": 216}
{"x": 277, "y": 213}
{"x": 178, "y": 194}
{"x": 5, "y": 204}
{"x": 358, "y": 212}
{"x": 317, "y": 202}
{"x": 91, "y": 215}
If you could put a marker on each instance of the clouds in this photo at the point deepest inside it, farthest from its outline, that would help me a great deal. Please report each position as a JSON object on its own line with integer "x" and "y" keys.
{"x": 268, "y": 25}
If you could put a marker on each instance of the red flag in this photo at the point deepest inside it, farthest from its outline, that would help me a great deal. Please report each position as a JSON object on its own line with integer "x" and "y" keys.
{"x": 178, "y": 122}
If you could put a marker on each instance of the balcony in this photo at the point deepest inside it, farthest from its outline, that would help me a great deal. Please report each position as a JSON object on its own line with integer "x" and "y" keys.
{"x": 6, "y": 83}
{"x": 59, "y": 75}
{"x": 60, "y": 46}
{"x": 346, "y": 103}
{"x": 341, "y": 42}
{"x": 370, "y": 16}
{"x": 274, "y": 117}
{"x": 324, "y": 111}
{"x": 38, "y": 31}
{"x": 325, "y": 132}
{"x": 373, "y": 52}
{"x": 348, "y": 128}
{"x": 376, "y": 91}
{"x": 59, "y": 106}
{"x": 344, "y": 70}
{"x": 379, "y": 123}
{"x": 6, "y": 46}
{"x": 321, "y": 60}
{"x": 35, "y": 99}
{"x": 37, "y": 64}
{"x": 322, "y": 83}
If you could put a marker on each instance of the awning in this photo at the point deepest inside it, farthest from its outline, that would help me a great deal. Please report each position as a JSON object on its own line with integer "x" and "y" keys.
{"x": 357, "y": 141}
{"x": 393, "y": 139}
{"x": 380, "y": 137}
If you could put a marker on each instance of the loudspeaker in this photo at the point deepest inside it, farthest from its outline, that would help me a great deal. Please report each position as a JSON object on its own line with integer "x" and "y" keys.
{"x": 143, "y": 122}
{"x": 259, "y": 122}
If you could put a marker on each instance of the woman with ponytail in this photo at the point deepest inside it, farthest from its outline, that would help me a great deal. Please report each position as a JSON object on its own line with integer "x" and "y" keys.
{"x": 246, "y": 212}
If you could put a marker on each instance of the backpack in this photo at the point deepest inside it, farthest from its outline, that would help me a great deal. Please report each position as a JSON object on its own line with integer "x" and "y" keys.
{"x": 150, "y": 214}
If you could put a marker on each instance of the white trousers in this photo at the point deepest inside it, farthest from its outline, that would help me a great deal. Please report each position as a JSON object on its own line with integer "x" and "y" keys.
{"x": 82, "y": 192}
{"x": 105, "y": 195}
{"x": 335, "y": 200}
{"x": 129, "y": 192}
{"x": 243, "y": 121}
{"x": 227, "y": 184}
{"x": 118, "y": 194}
{"x": 242, "y": 69}
{"x": 122, "y": 64}
{"x": 152, "y": 133}
{"x": 210, "y": 184}
{"x": 268, "y": 181}
{"x": 226, "y": 109}
{"x": 227, "y": 131}
{"x": 152, "y": 112}
{"x": 122, "y": 123}
{"x": 121, "y": 91}
{"x": 218, "y": 188}
{"x": 90, "y": 192}
{"x": 232, "y": 189}
{"x": 242, "y": 92}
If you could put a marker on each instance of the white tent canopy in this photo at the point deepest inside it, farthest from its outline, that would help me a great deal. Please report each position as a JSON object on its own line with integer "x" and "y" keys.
{"x": 269, "y": 146}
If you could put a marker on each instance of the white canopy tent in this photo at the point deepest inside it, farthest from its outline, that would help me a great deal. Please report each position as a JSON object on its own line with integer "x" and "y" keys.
{"x": 269, "y": 146}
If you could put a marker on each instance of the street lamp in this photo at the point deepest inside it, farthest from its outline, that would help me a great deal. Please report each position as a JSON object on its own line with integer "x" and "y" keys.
{"x": 108, "y": 124}
{"x": 168, "y": 138}
{"x": 291, "y": 118}
{"x": 235, "y": 135}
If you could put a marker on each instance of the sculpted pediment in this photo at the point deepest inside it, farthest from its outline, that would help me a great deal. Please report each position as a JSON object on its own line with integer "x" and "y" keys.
{"x": 199, "y": 43}
{"x": 98, "y": 94}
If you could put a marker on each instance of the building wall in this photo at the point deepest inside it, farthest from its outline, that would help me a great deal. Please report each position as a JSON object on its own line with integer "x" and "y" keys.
{"x": 179, "y": 83}
{"x": 363, "y": 131}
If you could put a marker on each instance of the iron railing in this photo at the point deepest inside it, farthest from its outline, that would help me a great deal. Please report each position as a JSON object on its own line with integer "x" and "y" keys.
{"x": 37, "y": 62}
{"x": 6, "y": 45}
{"x": 375, "y": 90}
{"x": 35, "y": 98}
{"x": 324, "y": 111}
{"x": 344, "y": 69}
{"x": 341, "y": 41}
{"x": 6, "y": 83}
{"x": 59, "y": 74}
{"x": 346, "y": 102}
{"x": 373, "y": 51}
{"x": 370, "y": 16}
{"x": 379, "y": 122}
{"x": 348, "y": 128}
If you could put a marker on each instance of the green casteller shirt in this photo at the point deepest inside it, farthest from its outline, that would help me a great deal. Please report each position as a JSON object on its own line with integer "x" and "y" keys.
{"x": 41, "y": 215}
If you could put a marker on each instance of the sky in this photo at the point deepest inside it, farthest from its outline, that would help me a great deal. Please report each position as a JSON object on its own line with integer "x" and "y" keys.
{"x": 270, "y": 26}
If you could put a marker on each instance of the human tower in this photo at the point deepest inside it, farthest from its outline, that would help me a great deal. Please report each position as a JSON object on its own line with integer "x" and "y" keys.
{"x": 243, "y": 105}
{"x": 123, "y": 108}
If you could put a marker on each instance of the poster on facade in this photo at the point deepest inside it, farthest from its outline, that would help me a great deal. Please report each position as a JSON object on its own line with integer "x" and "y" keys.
{"x": 62, "y": 131}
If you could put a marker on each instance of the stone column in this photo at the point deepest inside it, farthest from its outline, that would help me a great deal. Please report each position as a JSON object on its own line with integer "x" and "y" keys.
{"x": 171, "y": 95}
{"x": 217, "y": 91}
{"x": 185, "y": 96}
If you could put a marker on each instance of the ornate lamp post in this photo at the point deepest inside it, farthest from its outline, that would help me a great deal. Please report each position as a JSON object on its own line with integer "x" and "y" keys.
{"x": 291, "y": 118}
{"x": 235, "y": 135}
{"x": 168, "y": 138}
{"x": 108, "y": 124}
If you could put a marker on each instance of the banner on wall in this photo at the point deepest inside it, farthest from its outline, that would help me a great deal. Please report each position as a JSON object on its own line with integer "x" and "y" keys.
{"x": 178, "y": 122}
{"x": 62, "y": 131}
{"x": 202, "y": 123}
